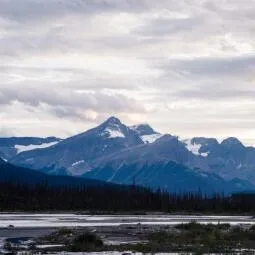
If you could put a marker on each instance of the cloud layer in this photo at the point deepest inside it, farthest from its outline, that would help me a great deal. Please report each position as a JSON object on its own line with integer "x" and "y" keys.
{"x": 186, "y": 67}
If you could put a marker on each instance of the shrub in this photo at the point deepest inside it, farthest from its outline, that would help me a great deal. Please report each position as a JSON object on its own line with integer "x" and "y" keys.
{"x": 86, "y": 242}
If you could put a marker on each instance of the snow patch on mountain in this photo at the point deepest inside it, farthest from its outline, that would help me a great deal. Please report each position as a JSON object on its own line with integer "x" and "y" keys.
{"x": 205, "y": 175}
{"x": 195, "y": 148}
{"x": 151, "y": 138}
{"x": 22, "y": 148}
{"x": 78, "y": 163}
{"x": 204, "y": 154}
{"x": 113, "y": 132}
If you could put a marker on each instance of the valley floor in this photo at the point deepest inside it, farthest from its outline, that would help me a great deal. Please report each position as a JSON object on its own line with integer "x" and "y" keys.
{"x": 143, "y": 233}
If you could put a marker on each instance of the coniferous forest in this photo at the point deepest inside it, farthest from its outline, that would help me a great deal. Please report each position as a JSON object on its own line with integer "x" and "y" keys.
{"x": 117, "y": 198}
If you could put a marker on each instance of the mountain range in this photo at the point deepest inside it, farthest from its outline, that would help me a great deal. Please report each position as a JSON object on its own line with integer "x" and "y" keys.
{"x": 114, "y": 152}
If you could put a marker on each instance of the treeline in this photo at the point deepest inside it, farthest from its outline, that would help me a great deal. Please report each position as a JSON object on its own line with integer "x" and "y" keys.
{"x": 116, "y": 198}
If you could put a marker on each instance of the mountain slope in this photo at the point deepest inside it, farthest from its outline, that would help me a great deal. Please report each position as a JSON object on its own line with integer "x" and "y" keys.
{"x": 167, "y": 164}
{"x": 165, "y": 149}
{"x": 169, "y": 176}
{"x": 15, "y": 174}
{"x": 71, "y": 156}
{"x": 230, "y": 159}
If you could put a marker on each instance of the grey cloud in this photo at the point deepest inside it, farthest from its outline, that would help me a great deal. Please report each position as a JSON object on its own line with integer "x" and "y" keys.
{"x": 215, "y": 92}
{"x": 56, "y": 40}
{"x": 169, "y": 26}
{"x": 232, "y": 8}
{"x": 208, "y": 66}
{"x": 208, "y": 78}
{"x": 81, "y": 78}
{"x": 67, "y": 112}
{"x": 29, "y": 9}
{"x": 199, "y": 24}
{"x": 39, "y": 9}
{"x": 68, "y": 103}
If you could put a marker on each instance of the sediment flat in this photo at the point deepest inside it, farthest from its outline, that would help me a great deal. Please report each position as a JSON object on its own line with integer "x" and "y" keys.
{"x": 19, "y": 220}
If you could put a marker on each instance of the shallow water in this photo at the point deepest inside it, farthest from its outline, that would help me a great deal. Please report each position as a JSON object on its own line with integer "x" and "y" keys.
{"x": 73, "y": 220}
{"x": 130, "y": 253}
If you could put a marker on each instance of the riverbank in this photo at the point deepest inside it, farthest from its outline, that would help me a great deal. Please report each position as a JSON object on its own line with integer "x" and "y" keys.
{"x": 184, "y": 238}
{"x": 56, "y": 232}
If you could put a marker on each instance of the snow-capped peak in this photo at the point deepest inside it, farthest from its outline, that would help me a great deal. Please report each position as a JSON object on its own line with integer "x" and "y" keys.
{"x": 113, "y": 128}
{"x": 112, "y": 121}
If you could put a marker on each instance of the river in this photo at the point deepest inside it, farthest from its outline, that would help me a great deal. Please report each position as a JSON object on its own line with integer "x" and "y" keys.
{"x": 19, "y": 220}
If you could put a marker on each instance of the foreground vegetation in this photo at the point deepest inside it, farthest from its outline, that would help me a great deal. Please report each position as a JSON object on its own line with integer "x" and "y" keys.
{"x": 117, "y": 199}
{"x": 193, "y": 237}
{"x": 199, "y": 239}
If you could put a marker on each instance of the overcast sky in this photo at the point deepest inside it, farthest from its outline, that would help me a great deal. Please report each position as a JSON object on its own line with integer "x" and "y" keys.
{"x": 186, "y": 67}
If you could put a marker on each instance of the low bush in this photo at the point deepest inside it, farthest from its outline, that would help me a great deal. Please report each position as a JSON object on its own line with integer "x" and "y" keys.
{"x": 86, "y": 242}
